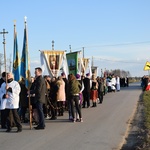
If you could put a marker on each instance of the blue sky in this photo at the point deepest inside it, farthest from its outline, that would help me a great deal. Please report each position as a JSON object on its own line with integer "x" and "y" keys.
{"x": 115, "y": 32}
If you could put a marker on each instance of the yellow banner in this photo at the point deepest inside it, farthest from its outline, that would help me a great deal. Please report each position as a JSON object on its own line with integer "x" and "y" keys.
{"x": 147, "y": 66}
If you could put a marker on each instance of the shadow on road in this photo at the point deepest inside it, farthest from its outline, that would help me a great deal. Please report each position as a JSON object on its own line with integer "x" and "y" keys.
{"x": 133, "y": 86}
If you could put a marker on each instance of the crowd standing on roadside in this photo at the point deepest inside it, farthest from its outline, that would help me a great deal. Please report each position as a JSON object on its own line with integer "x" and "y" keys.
{"x": 145, "y": 83}
{"x": 50, "y": 97}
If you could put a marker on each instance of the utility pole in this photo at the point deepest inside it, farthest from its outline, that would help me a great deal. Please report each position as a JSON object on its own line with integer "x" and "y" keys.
{"x": 52, "y": 44}
{"x": 70, "y": 48}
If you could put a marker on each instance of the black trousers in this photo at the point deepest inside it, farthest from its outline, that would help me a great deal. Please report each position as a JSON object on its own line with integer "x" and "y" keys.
{"x": 23, "y": 113}
{"x": 100, "y": 96}
{"x": 53, "y": 109}
{"x": 15, "y": 116}
{"x": 3, "y": 118}
{"x": 60, "y": 108}
{"x": 74, "y": 100}
{"x": 86, "y": 97}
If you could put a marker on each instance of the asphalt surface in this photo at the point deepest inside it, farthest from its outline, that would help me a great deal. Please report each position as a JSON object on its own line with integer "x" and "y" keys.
{"x": 103, "y": 127}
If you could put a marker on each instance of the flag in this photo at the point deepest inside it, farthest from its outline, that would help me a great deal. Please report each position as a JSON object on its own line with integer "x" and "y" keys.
{"x": 25, "y": 65}
{"x": 147, "y": 66}
{"x": 16, "y": 58}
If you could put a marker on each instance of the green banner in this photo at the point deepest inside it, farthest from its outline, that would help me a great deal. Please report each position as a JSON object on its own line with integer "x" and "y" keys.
{"x": 72, "y": 59}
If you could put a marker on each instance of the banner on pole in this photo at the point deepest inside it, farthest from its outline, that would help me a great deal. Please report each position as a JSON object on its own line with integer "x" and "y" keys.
{"x": 16, "y": 58}
{"x": 147, "y": 66}
{"x": 53, "y": 60}
{"x": 72, "y": 59}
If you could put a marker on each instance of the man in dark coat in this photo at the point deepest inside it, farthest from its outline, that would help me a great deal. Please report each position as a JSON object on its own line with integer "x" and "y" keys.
{"x": 23, "y": 101}
{"x": 39, "y": 99}
{"x": 86, "y": 91}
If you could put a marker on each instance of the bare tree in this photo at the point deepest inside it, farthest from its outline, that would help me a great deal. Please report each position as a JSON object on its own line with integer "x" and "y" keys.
{"x": 1, "y": 62}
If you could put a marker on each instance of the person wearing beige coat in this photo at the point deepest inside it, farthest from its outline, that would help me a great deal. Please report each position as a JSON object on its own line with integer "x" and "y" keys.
{"x": 61, "y": 96}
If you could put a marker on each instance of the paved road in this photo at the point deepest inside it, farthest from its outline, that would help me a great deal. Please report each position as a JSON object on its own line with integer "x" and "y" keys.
{"x": 103, "y": 128}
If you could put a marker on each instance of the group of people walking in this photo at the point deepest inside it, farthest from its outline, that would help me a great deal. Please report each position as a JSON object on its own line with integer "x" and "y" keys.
{"x": 50, "y": 97}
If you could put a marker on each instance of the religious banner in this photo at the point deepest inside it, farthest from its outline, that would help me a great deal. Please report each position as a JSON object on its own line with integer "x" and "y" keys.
{"x": 80, "y": 66}
{"x": 147, "y": 66}
{"x": 86, "y": 62}
{"x": 53, "y": 61}
{"x": 94, "y": 70}
{"x": 72, "y": 59}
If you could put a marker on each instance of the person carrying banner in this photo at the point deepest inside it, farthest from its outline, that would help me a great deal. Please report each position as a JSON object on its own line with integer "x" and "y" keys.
{"x": 39, "y": 99}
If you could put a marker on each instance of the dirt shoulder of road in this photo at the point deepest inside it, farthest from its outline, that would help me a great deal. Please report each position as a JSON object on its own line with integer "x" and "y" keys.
{"x": 136, "y": 136}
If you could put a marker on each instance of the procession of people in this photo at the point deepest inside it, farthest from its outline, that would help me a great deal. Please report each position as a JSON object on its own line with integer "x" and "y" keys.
{"x": 50, "y": 97}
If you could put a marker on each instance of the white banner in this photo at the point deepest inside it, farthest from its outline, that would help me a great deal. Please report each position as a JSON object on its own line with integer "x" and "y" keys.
{"x": 53, "y": 60}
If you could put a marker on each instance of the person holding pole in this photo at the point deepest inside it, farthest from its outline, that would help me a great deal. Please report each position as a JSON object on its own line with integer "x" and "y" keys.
{"x": 39, "y": 99}
{"x": 10, "y": 94}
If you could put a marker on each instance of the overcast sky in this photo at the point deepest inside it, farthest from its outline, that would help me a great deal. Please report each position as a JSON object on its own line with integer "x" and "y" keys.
{"x": 115, "y": 32}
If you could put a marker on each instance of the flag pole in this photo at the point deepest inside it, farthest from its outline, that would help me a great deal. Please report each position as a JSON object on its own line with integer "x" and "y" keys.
{"x": 4, "y": 43}
{"x": 28, "y": 77}
{"x": 30, "y": 109}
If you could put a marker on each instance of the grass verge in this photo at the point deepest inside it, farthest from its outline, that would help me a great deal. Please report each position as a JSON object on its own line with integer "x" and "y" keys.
{"x": 146, "y": 122}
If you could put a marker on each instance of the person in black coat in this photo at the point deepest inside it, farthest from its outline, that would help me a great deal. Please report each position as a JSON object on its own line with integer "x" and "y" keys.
{"x": 86, "y": 91}
{"x": 53, "y": 98}
{"x": 39, "y": 99}
{"x": 23, "y": 101}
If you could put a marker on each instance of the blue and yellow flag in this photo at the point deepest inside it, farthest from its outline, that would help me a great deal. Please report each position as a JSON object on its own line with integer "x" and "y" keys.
{"x": 16, "y": 58}
{"x": 25, "y": 66}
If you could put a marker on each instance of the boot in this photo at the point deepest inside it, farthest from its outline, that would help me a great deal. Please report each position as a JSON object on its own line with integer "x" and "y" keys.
{"x": 93, "y": 105}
